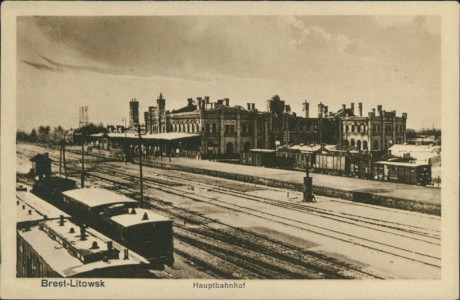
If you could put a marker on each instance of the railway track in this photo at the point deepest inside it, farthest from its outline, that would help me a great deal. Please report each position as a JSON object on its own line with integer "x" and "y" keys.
{"x": 296, "y": 263}
{"x": 336, "y": 234}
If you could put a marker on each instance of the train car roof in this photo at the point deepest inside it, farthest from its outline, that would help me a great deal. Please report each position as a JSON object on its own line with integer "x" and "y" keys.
{"x": 403, "y": 164}
{"x": 68, "y": 264}
{"x": 128, "y": 220}
{"x": 39, "y": 207}
{"x": 94, "y": 197}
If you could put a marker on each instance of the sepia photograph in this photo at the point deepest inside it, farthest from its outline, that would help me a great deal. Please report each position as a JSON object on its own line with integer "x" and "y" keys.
{"x": 228, "y": 152}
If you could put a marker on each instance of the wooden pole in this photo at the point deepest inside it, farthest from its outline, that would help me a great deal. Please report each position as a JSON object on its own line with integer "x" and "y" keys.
{"x": 140, "y": 168}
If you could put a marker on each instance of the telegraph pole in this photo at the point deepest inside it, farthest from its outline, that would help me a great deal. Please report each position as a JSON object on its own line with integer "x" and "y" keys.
{"x": 82, "y": 160}
{"x": 140, "y": 166}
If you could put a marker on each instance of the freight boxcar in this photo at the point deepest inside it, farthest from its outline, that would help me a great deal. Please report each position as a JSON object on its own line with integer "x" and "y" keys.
{"x": 402, "y": 172}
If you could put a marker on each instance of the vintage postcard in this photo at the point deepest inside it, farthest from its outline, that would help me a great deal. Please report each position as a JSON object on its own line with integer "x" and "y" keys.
{"x": 229, "y": 150}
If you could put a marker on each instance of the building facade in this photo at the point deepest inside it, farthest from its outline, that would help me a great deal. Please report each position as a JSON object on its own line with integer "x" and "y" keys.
{"x": 230, "y": 130}
{"x": 375, "y": 132}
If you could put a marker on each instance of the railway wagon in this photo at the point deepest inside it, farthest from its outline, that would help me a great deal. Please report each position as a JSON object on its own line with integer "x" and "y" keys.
{"x": 331, "y": 163}
{"x": 402, "y": 172}
{"x": 119, "y": 217}
{"x": 50, "y": 244}
{"x": 360, "y": 166}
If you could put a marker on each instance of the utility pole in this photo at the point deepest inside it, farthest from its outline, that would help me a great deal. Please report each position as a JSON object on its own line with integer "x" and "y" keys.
{"x": 82, "y": 160}
{"x": 140, "y": 167}
{"x": 63, "y": 158}
{"x": 126, "y": 142}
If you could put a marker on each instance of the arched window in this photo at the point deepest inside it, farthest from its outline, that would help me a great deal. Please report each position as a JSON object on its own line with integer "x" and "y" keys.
{"x": 347, "y": 128}
{"x": 214, "y": 127}
{"x": 243, "y": 127}
{"x": 375, "y": 146}
{"x": 250, "y": 128}
{"x": 364, "y": 145}
{"x": 352, "y": 128}
{"x": 247, "y": 146}
{"x": 208, "y": 128}
{"x": 359, "y": 128}
{"x": 352, "y": 142}
{"x": 188, "y": 127}
{"x": 358, "y": 144}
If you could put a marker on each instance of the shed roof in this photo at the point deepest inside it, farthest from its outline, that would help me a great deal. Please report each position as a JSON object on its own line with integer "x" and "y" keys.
{"x": 97, "y": 197}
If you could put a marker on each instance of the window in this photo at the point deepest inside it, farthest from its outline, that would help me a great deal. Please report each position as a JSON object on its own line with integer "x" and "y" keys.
{"x": 364, "y": 145}
{"x": 214, "y": 127}
{"x": 375, "y": 146}
{"x": 208, "y": 128}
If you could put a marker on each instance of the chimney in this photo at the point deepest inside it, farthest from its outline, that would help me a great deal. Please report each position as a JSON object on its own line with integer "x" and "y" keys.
{"x": 72, "y": 230}
{"x": 249, "y": 106}
{"x": 82, "y": 233}
{"x": 206, "y": 98}
{"x": 61, "y": 220}
{"x": 325, "y": 110}
{"x": 253, "y": 106}
{"x": 360, "y": 109}
{"x": 189, "y": 101}
{"x": 125, "y": 253}
{"x": 320, "y": 110}
{"x": 94, "y": 245}
{"x": 227, "y": 101}
{"x": 109, "y": 246}
{"x": 379, "y": 109}
{"x": 353, "y": 108}
{"x": 404, "y": 115}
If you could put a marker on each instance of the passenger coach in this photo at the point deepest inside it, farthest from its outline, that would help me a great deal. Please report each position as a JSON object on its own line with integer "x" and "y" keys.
{"x": 119, "y": 217}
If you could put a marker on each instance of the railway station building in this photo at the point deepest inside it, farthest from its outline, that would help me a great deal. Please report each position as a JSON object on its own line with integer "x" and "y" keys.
{"x": 207, "y": 129}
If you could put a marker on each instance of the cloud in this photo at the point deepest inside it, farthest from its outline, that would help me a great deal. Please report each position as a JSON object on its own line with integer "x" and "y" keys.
{"x": 61, "y": 67}
{"x": 41, "y": 66}
{"x": 339, "y": 42}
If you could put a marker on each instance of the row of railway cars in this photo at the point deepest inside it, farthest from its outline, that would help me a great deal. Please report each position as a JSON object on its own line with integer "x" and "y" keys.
{"x": 118, "y": 217}
{"x": 342, "y": 163}
{"x": 50, "y": 243}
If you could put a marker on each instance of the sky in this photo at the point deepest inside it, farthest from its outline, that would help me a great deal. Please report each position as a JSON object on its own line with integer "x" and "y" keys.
{"x": 104, "y": 62}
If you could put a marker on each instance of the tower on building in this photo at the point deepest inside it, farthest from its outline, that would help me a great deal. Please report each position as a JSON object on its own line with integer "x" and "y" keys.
{"x": 83, "y": 118}
{"x": 133, "y": 114}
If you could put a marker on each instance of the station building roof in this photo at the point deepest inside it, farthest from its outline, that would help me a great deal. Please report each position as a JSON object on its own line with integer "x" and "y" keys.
{"x": 68, "y": 255}
{"x": 128, "y": 220}
{"x": 94, "y": 197}
{"x": 167, "y": 136}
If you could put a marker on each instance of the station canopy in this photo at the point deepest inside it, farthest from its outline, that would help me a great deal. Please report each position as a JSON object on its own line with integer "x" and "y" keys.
{"x": 167, "y": 136}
